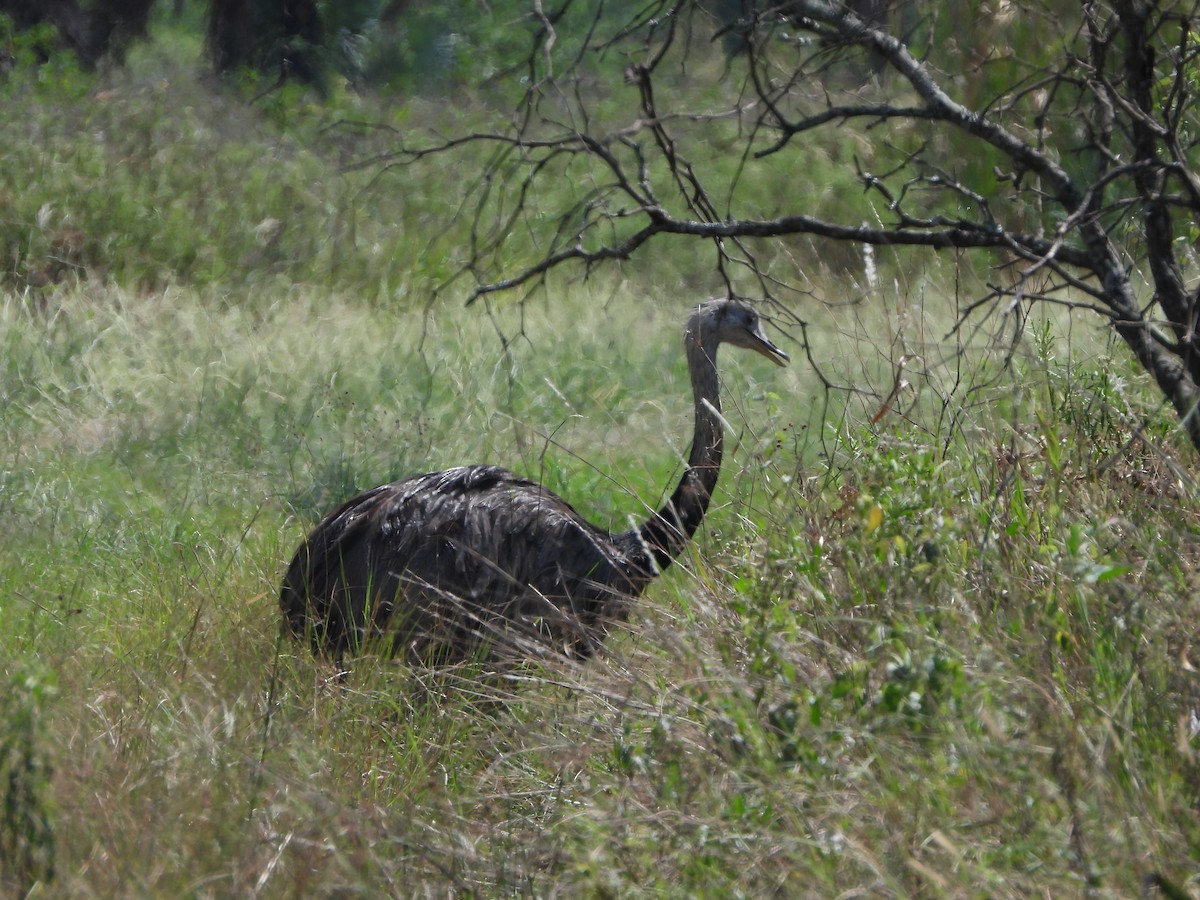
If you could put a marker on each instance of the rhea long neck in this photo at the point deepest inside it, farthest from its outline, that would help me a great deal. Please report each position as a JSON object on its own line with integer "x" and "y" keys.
{"x": 667, "y": 532}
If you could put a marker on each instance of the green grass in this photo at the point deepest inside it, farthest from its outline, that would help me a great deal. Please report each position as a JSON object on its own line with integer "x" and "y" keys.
{"x": 156, "y": 174}
{"x": 900, "y": 658}
{"x": 936, "y": 637}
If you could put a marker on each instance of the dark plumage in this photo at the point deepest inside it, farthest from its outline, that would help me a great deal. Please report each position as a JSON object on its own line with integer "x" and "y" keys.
{"x": 477, "y": 559}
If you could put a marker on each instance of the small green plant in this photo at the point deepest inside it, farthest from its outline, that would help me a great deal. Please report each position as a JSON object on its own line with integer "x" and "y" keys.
{"x": 27, "y": 850}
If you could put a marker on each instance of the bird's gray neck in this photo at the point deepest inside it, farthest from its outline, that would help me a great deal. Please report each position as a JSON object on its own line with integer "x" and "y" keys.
{"x": 667, "y": 532}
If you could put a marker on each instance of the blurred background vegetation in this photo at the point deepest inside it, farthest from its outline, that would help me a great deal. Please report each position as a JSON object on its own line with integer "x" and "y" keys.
{"x": 297, "y": 108}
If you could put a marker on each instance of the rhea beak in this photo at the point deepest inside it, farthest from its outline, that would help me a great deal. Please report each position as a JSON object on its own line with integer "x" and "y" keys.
{"x": 762, "y": 344}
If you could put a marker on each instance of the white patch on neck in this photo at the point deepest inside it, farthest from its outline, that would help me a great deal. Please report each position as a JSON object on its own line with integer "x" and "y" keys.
{"x": 716, "y": 413}
{"x": 646, "y": 549}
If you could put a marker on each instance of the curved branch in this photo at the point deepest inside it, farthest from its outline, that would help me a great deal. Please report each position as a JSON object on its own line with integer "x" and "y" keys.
{"x": 960, "y": 236}
{"x": 623, "y": 250}
{"x": 957, "y": 237}
{"x": 880, "y": 112}
{"x": 939, "y": 104}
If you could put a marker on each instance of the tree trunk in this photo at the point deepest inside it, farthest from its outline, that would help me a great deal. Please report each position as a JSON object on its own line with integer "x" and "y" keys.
{"x": 283, "y": 36}
{"x": 91, "y": 32}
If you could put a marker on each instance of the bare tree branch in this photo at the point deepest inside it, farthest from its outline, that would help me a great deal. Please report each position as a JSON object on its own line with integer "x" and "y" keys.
{"x": 1081, "y": 168}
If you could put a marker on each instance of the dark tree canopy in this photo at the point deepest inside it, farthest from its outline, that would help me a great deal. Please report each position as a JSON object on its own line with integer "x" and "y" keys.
{"x": 104, "y": 27}
{"x": 284, "y": 36}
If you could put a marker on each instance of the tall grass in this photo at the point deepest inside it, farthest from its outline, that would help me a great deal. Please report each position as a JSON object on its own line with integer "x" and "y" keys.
{"x": 903, "y": 657}
{"x": 936, "y": 637}
{"x": 155, "y": 174}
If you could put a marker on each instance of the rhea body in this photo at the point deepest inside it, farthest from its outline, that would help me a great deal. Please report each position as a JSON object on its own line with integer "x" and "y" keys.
{"x": 476, "y": 559}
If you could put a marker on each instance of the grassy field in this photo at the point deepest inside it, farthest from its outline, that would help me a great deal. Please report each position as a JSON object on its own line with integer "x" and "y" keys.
{"x": 908, "y": 658}
{"x": 937, "y": 637}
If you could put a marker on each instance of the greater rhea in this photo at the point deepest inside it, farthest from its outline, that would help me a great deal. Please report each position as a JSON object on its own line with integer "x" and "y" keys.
{"x": 477, "y": 560}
